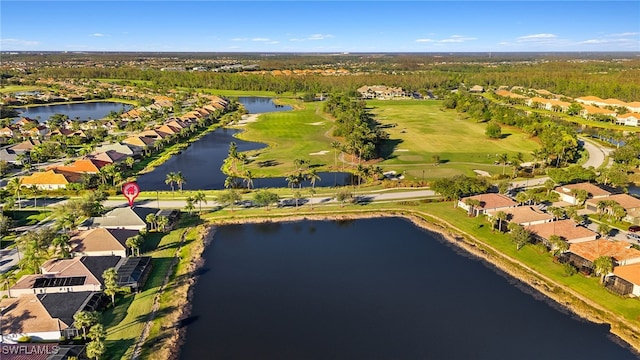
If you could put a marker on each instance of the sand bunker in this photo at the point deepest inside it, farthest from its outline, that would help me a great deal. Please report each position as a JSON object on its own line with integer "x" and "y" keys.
{"x": 247, "y": 119}
{"x": 401, "y": 150}
{"x": 323, "y": 152}
{"x": 317, "y": 123}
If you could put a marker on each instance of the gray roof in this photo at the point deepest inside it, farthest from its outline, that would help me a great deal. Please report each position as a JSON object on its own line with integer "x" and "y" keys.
{"x": 98, "y": 264}
{"x": 121, "y": 218}
{"x": 8, "y": 155}
{"x": 64, "y": 305}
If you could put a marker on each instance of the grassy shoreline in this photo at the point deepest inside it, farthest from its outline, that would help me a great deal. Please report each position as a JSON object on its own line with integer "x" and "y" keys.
{"x": 169, "y": 337}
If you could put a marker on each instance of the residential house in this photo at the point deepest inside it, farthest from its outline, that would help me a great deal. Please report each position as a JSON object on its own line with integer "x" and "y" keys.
{"x": 630, "y": 204}
{"x": 26, "y": 122}
{"x": 101, "y": 242}
{"x": 118, "y": 147}
{"x": 8, "y": 155}
{"x": 476, "y": 89}
{"x": 67, "y": 275}
{"x": 48, "y": 180}
{"x": 634, "y": 106}
{"x": 629, "y": 119}
{"x": 7, "y": 132}
{"x": 488, "y": 202}
{"x": 155, "y": 134}
{"x": 549, "y": 104}
{"x": 568, "y": 192}
{"x": 568, "y": 230}
{"x": 80, "y": 166}
{"x": 380, "y": 92}
{"x": 25, "y": 146}
{"x": 589, "y": 111}
{"x": 44, "y": 317}
{"x": 132, "y": 218}
{"x": 509, "y": 94}
{"x": 525, "y": 215}
{"x": 39, "y": 131}
{"x": 625, "y": 280}
{"x": 134, "y": 272}
{"x": 139, "y": 143}
{"x": 583, "y": 254}
{"x": 109, "y": 157}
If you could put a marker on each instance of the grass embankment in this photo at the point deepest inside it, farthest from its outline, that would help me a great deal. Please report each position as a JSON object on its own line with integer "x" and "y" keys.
{"x": 418, "y": 130}
{"x": 126, "y": 321}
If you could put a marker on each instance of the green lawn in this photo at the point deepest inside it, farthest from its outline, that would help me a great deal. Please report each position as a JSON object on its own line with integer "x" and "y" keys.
{"x": 291, "y": 135}
{"x": 18, "y": 88}
{"x": 418, "y": 130}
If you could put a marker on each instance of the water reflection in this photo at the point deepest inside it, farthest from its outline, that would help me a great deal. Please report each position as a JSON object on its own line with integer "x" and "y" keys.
{"x": 79, "y": 111}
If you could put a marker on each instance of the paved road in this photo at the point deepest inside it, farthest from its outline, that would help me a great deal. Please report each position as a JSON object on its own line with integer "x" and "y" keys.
{"x": 8, "y": 259}
{"x": 597, "y": 153}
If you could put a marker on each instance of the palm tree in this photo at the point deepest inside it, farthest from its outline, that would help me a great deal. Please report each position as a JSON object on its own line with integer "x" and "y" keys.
{"x": 134, "y": 243}
{"x": 189, "y": 205}
{"x": 604, "y": 229}
{"x": 472, "y": 204}
{"x": 200, "y": 197}
{"x": 549, "y": 185}
{"x": 501, "y": 216}
{"x": 151, "y": 220}
{"x": 62, "y": 245}
{"x": 503, "y": 159}
{"x": 170, "y": 180}
{"x": 602, "y": 266}
{"x": 129, "y": 161}
{"x": 14, "y": 186}
{"x": 110, "y": 281}
{"x": 179, "y": 179}
{"x": 6, "y": 279}
{"x": 293, "y": 180}
{"x": 248, "y": 179}
{"x": 85, "y": 319}
{"x": 557, "y": 245}
{"x": 162, "y": 222}
{"x": 313, "y": 176}
{"x": 335, "y": 145}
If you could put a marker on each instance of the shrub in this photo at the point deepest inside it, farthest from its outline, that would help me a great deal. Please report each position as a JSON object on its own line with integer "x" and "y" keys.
{"x": 569, "y": 270}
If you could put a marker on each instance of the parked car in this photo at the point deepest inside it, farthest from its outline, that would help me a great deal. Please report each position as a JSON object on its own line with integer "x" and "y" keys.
{"x": 634, "y": 228}
{"x": 633, "y": 236}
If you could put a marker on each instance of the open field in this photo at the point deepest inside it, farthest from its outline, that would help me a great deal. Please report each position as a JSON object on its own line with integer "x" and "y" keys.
{"x": 418, "y": 131}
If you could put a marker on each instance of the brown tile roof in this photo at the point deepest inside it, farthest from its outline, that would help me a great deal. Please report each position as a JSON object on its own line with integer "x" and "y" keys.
{"x": 596, "y": 110}
{"x": 101, "y": 239}
{"x": 628, "y": 202}
{"x": 566, "y": 229}
{"x": 525, "y": 214}
{"x": 89, "y": 166}
{"x": 29, "y": 316}
{"x": 628, "y": 115}
{"x": 593, "y": 190}
{"x": 141, "y": 141}
{"x": 618, "y": 250}
{"x": 492, "y": 201}
{"x": 630, "y": 273}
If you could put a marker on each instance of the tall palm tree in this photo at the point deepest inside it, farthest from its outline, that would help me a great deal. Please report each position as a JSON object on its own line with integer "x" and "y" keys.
{"x": 248, "y": 179}
{"x": 179, "y": 179}
{"x": 335, "y": 145}
{"x": 62, "y": 245}
{"x": 14, "y": 185}
{"x": 501, "y": 216}
{"x": 200, "y": 197}
{"x": 6, "y": 279}
{"x": 151, "y": 220}
{"x": 503, "y": 159}
{"x": 313, "y": 176}
{"x": 170, "y": 180}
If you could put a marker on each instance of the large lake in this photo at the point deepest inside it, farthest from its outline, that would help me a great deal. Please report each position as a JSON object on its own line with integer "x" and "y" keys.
{"x": 200, "y": 163}
{"x": 81, "y": 111}
{"x": 370, "y": 289}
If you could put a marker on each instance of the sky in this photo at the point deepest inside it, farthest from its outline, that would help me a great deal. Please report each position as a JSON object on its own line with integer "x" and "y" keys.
{"x": 320, "y": 26}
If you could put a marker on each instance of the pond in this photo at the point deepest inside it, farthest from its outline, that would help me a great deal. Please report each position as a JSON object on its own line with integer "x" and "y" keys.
{"x": 370, "y": 289}
{"x": 259, "y": 105}
{"x": 80, "y": 111}
{"x": 200, "y": 165}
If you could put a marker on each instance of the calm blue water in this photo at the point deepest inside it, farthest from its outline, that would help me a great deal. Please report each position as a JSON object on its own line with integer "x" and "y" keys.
{"x": 82, "y": 111}
{"x": 259, "y": 105}
{"x": 369, "y": 289}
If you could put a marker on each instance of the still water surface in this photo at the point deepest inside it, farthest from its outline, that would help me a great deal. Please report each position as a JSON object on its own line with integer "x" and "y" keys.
{"x": 259, "y": 105}
{"x": 82, "y": 111}
{"x": 369, "y": 289}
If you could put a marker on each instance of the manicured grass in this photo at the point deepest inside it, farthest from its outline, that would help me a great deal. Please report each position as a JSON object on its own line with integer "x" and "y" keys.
{"x": 18, "y": 88}
{"x": 291, "y": 135}
{"x": 28, "y": 217}
{"x": 422, "y": 129}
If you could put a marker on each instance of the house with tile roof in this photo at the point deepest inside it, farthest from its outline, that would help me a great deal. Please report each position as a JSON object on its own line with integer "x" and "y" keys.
{"x": 524, "y": 215}
{"x": 109, "y": 157}
{"x": 625, "y": 280}
{"x": 628, "y": 119}
{"x": 44, "y": 317}
{"x": 101, "y": 242}
{"x": 47, "y": 180}
{"x": 568, "y": 192}
{"x": 583, "y": 254}
{"x": 80, "y": 166}
{"x": 117, "y": 147}
{"x": 141, "y": 143}
{"x": 488, "y": 202}
{"x": 26, "y": 146}
{"x": 630, "y": 204}
{"x": 67, "y": 275}
{"x": 568, "y": 230}
{"x": 589, "y": 111}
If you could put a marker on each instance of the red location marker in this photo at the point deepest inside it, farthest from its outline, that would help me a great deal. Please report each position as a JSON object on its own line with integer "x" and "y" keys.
{"x": 131, "y": 190}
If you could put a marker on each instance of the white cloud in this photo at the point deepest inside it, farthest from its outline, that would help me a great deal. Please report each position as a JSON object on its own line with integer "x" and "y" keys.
{"x": 261, "y": 39}
{"x": 424, "y": 40}
{"x": 319, "y": 36}
{"x": 593, "y": 41}
{"x": 623, "y": 34}
{"x": 457, "y": 39}
{"x": 97, "y": 35}
{"x": 536, "y": 37}
{"x": 18, "y": 42}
